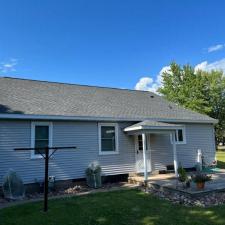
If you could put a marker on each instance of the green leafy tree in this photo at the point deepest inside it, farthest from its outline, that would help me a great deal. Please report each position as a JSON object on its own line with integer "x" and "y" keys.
{"x": 201, "y": 91}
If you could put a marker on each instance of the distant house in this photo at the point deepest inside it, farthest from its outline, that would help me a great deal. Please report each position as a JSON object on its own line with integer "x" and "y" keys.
{"x": 107, "y": 125}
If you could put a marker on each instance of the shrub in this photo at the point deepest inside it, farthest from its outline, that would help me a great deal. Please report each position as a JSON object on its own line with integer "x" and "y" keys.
{"x": 182, "y": 175}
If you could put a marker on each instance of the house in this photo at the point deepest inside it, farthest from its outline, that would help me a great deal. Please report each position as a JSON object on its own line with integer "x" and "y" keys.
{"x": 125, "y": 131}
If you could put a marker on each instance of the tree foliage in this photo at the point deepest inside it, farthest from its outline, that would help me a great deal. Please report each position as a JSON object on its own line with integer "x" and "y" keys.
{"x": 201, "y": 91}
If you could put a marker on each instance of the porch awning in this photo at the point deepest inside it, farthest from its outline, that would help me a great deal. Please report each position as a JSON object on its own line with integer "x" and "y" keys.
{"x": 151, "y": 125}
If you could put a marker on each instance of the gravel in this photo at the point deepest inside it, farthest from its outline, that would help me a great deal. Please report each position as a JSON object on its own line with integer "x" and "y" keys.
{"x": 208, "y": 200}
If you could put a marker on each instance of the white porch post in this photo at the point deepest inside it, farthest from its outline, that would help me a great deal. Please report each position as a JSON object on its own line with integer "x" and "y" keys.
{"x": 144, "y": 157}
{"x": 174, "y": 154}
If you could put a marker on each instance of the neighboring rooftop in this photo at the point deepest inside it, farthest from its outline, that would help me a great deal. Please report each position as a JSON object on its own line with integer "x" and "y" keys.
{"x": 32, "y": 97}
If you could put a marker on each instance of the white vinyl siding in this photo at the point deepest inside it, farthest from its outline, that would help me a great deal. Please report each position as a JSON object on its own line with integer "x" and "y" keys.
{"x": 66, "y": 164}
{"x": 71, "y": 164}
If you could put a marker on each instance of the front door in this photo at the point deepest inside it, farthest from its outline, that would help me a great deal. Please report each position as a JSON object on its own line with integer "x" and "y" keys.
{"x": 139, "y": 154}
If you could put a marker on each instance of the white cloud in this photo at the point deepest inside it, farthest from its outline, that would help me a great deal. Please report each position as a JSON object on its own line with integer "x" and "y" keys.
{"x": 9, "y": 66}
{"x": 144, "y": 83}
{"x": 217, "y": 65}
{"x": 201, "y": 66}
{"x": 150, "y": 84}
{"x": 216, "y": 48}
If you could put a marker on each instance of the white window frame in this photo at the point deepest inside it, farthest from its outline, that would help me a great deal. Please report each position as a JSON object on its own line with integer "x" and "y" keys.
{"x": 33, "y": 125}
{"x": 184, "y": 137}
{"x": 115, "y": 125}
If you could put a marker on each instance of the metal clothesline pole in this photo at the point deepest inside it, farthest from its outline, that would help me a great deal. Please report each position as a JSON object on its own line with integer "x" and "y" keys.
{"x": 46, "y": 157}
{"x": 46, "y": 180}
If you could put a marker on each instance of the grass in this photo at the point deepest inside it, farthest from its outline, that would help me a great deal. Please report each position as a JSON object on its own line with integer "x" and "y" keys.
{"x": 220, "y": 156}
{"x": 130, "y": 207}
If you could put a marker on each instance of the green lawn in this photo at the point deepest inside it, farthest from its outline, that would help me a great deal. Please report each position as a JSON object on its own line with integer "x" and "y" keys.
{"x": 220, "y": 156}
{"x": 120, "y": 207}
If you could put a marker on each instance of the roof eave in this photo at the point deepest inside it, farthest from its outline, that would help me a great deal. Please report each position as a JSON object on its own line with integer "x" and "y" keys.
{"x": 93, "y": 118}
{"x": 138, "y": 128}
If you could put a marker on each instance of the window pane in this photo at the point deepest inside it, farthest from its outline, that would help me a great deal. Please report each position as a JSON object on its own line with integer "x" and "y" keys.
{"x": 140, "y": 138}
{"x": 41, "y": 132}
{"x": 108, "y": 144}
{"x": 36, "y": 152}
{"x": 140, "y": 143}
{"x": 180, "y": 135}
{"x": 108, "y": 132}
{"x": 41, "y": 144}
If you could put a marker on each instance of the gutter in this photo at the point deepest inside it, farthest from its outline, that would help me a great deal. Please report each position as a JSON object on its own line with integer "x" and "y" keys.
{"x": 92, "y": 118}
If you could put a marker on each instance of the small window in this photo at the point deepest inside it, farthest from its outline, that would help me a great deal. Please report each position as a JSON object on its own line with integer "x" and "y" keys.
{"x": 41, "y": 136}
{"x": 108, "y": 139}
{"x": 180, "y": 137}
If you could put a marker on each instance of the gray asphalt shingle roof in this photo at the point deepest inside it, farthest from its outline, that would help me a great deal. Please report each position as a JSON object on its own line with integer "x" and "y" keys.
{"x": 21, "y": 96}
{"x": 151, "y": 124}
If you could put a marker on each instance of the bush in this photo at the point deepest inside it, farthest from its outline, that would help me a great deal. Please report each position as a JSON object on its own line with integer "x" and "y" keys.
{"x": 13, "y": 187}
{"x": 182, "y": 175}
{"x": 93, "y": 175}
{"x": 93, "y": 169}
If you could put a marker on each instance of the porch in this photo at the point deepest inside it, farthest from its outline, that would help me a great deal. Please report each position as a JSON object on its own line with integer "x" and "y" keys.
{"x": 143, "y": 134}
{"x": 169, "y": 183}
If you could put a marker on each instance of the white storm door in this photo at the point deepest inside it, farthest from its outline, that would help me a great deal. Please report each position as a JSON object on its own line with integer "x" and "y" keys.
{"x": 139, "y": 154}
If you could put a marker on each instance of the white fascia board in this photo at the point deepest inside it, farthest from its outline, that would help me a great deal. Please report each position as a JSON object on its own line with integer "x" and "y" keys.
{"x": 133, "y": 128}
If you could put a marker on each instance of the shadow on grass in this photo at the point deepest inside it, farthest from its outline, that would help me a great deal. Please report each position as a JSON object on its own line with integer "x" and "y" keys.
{"x": 112, "y": 208}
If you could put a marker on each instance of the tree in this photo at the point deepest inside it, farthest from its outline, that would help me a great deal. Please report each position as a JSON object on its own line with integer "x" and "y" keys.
{"x": 200, "y": 91}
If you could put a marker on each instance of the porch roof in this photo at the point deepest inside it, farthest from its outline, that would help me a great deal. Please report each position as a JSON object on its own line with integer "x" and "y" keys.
{"x": 152, "y": 125}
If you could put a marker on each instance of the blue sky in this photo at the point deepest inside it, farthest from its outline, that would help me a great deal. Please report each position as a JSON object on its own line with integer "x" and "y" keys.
{"x": 109, "y": 43}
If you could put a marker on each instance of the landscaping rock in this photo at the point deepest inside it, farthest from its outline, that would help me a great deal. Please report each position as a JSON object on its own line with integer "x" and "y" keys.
{"x": 211, "y": 199}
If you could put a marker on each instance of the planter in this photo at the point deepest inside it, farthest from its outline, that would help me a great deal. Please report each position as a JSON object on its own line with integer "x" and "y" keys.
{"x": 200, "y": 185}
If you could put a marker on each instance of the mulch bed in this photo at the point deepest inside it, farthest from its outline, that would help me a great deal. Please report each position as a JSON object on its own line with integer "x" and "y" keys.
{"x": 73, "y": 190}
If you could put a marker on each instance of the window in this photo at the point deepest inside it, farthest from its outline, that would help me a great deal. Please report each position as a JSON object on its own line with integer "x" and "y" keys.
{"x": 108, "y": 138}
{"x": 41, "y": 136}
{"x": 140, "y": 142}
{"x": 180, "y": 136}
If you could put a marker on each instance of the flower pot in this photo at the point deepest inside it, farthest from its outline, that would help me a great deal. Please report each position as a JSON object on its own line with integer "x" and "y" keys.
{"x": 200, "y": 185}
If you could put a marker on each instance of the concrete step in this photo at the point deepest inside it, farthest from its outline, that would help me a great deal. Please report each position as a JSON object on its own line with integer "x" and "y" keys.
{"x": 135, "y": 180}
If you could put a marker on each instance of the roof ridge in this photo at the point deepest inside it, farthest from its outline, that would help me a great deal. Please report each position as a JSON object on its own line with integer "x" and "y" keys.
{"x": 83, "y": 85}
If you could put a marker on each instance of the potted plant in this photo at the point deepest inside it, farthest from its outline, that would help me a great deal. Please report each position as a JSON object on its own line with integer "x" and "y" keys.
{"x": 200, "y": 179}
